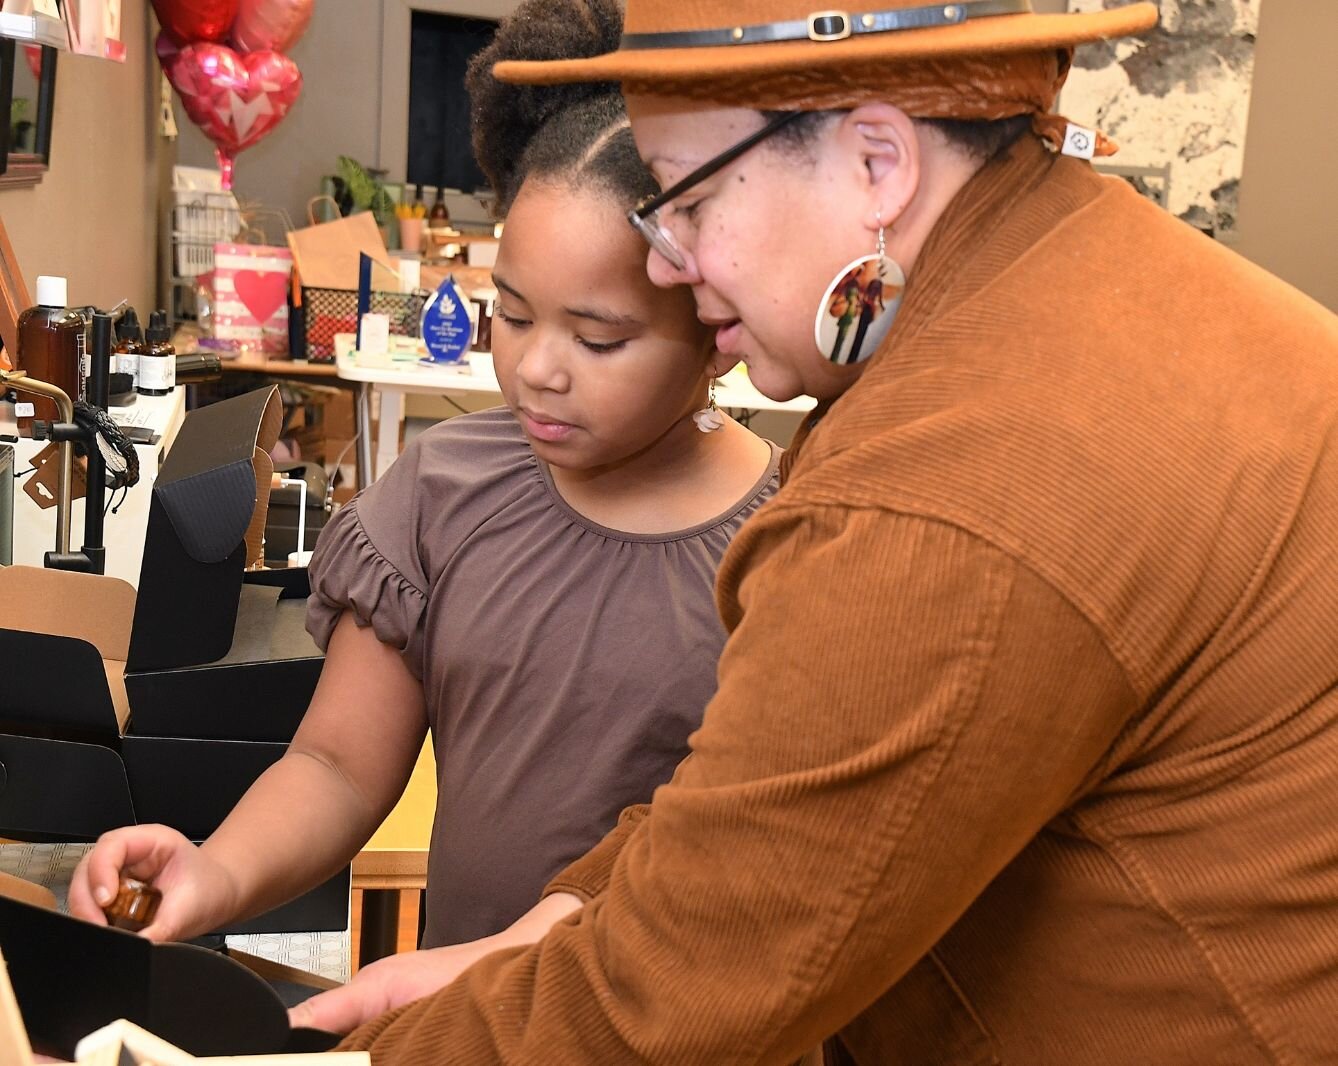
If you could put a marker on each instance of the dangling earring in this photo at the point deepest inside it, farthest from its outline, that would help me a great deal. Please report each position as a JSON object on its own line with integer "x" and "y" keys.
{"x": 710, "y": 418}
{"x": 860, "y": 305}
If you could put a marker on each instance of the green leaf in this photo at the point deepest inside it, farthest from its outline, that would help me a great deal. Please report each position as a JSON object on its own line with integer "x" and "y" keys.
{"x": 361, "y": 185}
{"x": 383, "y": 205}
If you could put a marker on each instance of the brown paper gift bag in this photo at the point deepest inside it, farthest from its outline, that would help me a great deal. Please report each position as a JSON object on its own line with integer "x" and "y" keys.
{"x": 327, "y": 255}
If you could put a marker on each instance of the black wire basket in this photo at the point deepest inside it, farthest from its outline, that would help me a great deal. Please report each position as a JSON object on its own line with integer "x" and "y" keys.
{"x": 326, "y": 312}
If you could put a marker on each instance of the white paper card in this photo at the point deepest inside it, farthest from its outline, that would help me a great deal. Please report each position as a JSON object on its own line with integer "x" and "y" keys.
{"x": 375, "y": 335}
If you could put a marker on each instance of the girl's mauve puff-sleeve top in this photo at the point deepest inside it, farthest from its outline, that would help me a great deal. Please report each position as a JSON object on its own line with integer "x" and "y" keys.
{"x": 563, "y": 664}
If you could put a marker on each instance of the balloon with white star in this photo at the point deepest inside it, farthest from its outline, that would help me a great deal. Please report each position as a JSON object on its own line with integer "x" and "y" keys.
{"x": 234, "y": 99}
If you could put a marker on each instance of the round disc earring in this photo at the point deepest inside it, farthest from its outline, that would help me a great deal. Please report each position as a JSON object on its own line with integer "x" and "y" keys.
{"x": 860, "y": 306}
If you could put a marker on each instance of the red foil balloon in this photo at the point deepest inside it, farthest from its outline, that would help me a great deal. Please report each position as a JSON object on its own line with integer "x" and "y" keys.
{"x": 191, "y": 21}
{"x": 167, "y": 50}
{"x": 270, "y": 25}
{"x": 236, "y": 100}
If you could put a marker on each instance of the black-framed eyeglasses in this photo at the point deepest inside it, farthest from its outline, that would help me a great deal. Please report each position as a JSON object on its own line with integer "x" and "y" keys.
{"x": 645, "y": 217}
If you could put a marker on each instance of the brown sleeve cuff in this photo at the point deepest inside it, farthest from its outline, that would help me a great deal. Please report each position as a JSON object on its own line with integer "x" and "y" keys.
{"x": 589, "y": 875}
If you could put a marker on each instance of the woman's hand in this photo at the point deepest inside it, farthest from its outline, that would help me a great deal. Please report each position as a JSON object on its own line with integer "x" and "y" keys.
{"x": 198, "y": 893}
{"x": 392, "y": 982}
{"x": 386, "y": 984}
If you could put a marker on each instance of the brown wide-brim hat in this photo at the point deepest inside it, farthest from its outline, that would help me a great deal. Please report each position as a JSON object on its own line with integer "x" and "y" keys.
{"x": 672, "y": 41}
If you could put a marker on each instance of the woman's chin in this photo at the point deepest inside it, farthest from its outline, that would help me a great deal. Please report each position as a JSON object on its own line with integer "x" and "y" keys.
{"x": 775, "y": 383}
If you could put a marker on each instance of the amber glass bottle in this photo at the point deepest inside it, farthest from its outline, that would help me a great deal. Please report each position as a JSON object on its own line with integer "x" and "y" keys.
{"x": 158, "y": 363}
{"x": 52, "y": 348}
{"x": 129, "y": 346}
{"x": 439, "y": 217}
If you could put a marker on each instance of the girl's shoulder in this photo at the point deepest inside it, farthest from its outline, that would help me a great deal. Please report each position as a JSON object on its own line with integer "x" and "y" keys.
{"x": 480, "y": 436}
{"x": 480, "y": 451}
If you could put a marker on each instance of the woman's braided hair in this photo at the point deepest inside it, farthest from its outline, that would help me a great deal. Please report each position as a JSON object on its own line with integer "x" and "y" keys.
{"x": 576, "y": 132}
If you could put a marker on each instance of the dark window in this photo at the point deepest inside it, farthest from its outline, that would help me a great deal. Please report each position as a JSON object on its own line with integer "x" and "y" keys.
{"x": 439, "y": 148}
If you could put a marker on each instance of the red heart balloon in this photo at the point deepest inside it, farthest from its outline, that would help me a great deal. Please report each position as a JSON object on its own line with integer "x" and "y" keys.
{"x": 166, "y": 49}
{"x": 189, "y": 21}
{"x": 270, "y": 25}
{"x": 236, "y": 100}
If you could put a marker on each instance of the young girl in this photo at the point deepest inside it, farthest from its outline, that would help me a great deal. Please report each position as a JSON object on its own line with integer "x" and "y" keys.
{"x": 533, "y": 583}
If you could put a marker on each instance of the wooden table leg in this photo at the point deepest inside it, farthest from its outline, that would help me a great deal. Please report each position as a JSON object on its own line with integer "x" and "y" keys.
{"x": 380, "y": 924}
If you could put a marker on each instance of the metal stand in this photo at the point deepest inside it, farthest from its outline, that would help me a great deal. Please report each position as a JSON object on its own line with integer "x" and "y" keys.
{"x": 92, "y": 558}
{"x": 364, "y": 446}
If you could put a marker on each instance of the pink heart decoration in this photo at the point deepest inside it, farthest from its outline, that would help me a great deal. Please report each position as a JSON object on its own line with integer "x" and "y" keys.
{"x": 236, "y": 100}
{"x": 196, "y": 20}
{"x": 263, "y": 293}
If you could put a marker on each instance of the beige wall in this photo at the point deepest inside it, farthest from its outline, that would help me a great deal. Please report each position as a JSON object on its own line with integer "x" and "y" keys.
{"x": 1288, "y": 214}
{"x": 1288, "y": 222}
{"x": 93, "y": 218}
{"x": 351, "y": 77}
{"x": 337, "y": 114}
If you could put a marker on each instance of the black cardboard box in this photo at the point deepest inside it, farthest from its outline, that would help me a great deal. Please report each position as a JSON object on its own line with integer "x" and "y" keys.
{"x": 199, "y": 630}
{"x": 166, "y": 705}
{"x": 71, "y": 978}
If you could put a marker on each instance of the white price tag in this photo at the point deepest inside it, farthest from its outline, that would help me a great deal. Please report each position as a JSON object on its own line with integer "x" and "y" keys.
{"x": 1080, "y": 142}
{"x": 24, "y": 410}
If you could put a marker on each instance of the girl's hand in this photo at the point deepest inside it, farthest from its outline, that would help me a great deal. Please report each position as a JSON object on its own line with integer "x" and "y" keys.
{"x": 198, "y": 894}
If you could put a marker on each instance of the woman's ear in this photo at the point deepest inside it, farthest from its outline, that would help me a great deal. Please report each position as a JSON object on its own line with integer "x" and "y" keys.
{"x": 884, "y": 141}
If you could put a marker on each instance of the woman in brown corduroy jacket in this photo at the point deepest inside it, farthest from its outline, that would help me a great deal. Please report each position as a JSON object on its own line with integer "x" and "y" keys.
{"x": 1025, "y": 748}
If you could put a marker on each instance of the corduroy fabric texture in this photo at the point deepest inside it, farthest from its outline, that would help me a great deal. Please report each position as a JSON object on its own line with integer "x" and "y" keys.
{"x": 1025, "y": 745}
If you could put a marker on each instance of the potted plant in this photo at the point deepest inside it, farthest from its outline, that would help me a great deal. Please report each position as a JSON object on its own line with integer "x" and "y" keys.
{"x": 358, "y": 189}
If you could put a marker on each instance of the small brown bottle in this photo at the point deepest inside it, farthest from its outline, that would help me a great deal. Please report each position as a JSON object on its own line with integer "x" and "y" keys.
{"x": 439, "y": 217}
{"x": 158, "y": 362}
{"x": 134, "y": 907}
{"x": 51, "y": 348}
{"x": 129, "y": 346}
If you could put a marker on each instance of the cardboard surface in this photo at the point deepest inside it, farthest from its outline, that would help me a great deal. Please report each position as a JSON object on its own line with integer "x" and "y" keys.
{"x": 14, "y": 1047}
{"x": 59, "y": 789}
{"x": 27, "y": 892}
{"x": 263, "y": 465}
{"x": 87, "y": 607}
{"x": 258, "y": 690}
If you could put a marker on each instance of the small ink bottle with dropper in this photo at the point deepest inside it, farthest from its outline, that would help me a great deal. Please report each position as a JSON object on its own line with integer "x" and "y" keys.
{"x": 158, "y": 362}
{"x": 129, "y": 346}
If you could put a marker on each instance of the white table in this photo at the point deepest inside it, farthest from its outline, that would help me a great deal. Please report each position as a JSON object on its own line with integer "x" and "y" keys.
{"x": 393, "y": 381}
{"x": 124, "y": 531}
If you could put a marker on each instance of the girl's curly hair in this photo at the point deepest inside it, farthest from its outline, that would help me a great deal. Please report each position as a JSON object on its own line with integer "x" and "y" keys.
{"x": 578, "y": 132}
